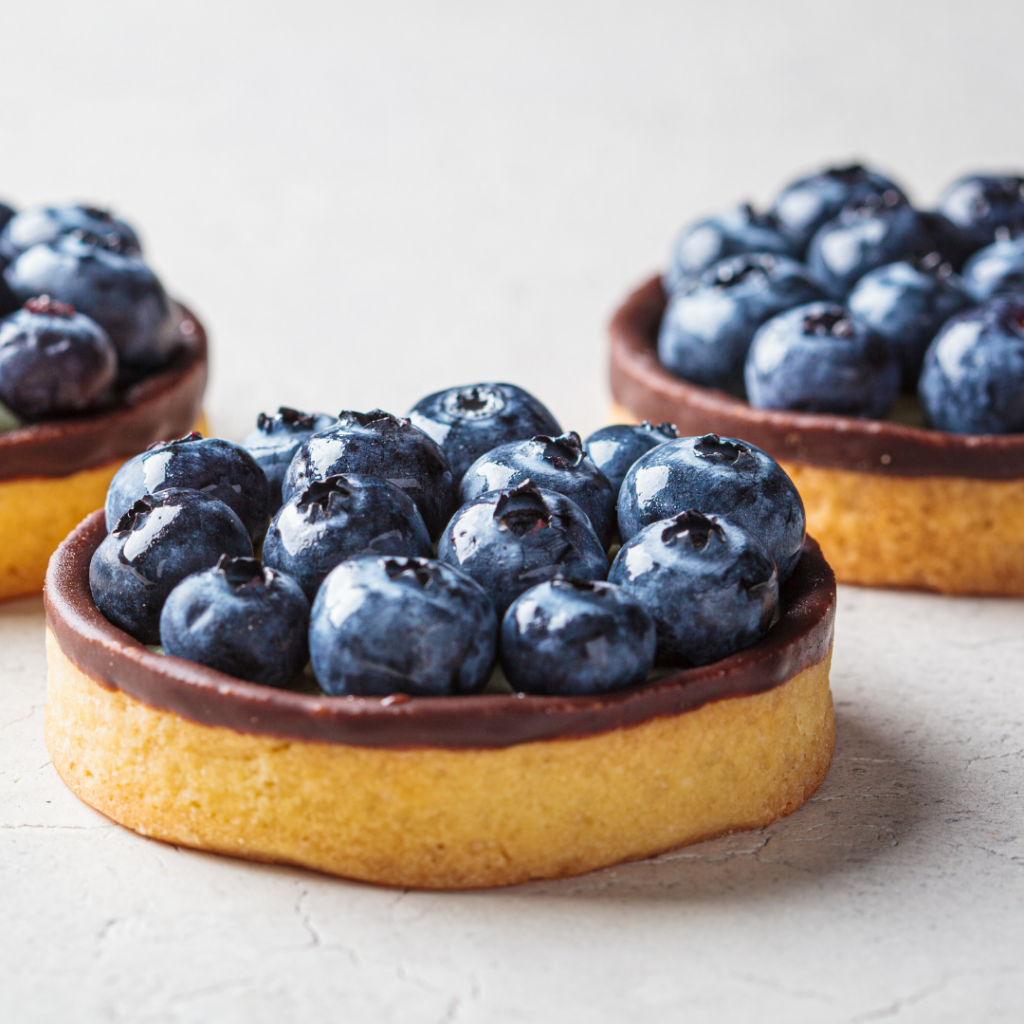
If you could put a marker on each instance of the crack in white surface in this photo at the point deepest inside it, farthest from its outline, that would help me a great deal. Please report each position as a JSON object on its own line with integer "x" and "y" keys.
{"x": 24, "y": 718}
{"x": 774, "y": 985}
{"x": 304, "y": 917}
{"x": 60, "y": 828}
{"x": 897, "y": 1006}
{"x": 451, "y": 1011}
{"x": 690, "y": 854}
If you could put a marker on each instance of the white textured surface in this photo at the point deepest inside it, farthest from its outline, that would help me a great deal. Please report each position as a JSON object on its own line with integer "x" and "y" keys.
{"x": 368, "y": 201}
{"x": 897, "y": 892}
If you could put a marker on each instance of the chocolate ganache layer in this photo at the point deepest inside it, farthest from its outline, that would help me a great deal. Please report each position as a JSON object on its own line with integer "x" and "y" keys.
{"x": 164, "y": 405}
{"x": 802, "y": 637}
{"x": 648, "y": 390}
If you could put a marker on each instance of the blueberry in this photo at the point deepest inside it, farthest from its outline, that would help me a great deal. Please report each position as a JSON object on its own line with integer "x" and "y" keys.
{"x": 717, "y": 475}
{"x": 973, "y": 376}
{"x": 862, "y": 237}
{"x": 982, "y": 204}
{"x": 469, "y": 421}
{"x": 277, "y": 438}
{"x": 802, "y": 207}
{"x": 240, "y": 618}
{"x": 220, "y": 468}
{"x": 737, "y": 231}
{"x": 158, "y": 541}
{"x": 556, "y": 463}
{"x": 6, "y": 213}
{"x": 709, "y": 585}
{"x": 952, "y": 244}
{"x": 511, "y": 539}
{"x": 998, "y": 269}
{"x": 906, "y": 303}
{"x": 334, "y": 519}
{"x": 401, "y": 625}
{"x": 576, "y": 637}
{"x": 709, "y": 322}
{"x": 118, "y": 290}
{"x": 44, "y": 224}
{"x": 54, "y": 361}
{"x": 378, "y": 444}
{"x": 821, "y": 358}
{"x": 614, "y": 449}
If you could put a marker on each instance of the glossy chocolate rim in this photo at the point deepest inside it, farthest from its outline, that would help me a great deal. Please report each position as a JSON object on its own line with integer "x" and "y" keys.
{"x": 802, "y": 637}
{"x": 647, "y": 389}
{"x": 162, "y": 406}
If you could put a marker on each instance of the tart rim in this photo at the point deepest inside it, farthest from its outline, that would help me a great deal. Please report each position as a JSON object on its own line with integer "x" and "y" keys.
{"x": 801, "y": 638}
{"x": 149, "y": 412}
{"x": 641, "y": 384}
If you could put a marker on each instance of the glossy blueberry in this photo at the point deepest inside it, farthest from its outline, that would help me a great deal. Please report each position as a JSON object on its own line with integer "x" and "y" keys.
{"x": 54, "y": 361}
{"x": 471, "y": 420}
{"x": 737, "y": 231}
{"x": 973, "y": 376}
{"x": 401, "y": 625}
{"x": 614, "y": 449}
{"x": 6, "y": 213}
{"x": 8, "y": 303}
{"x": 556, "y": 463}
{"x": 998, "y": 269}
{"x": 379, "y": 444}
{"x": 116, "y": 289}
{"x": 277, "y": 438}
{"x": 982, "y": 204}
{"x": 241, "y": 618}
{"x": 717, "y": 475}
{"x": 821, "y": 358}
{"x": 863, "y": 237}
{"x": 334, "y": 519}
{"x": 709, "y": 323}
{"x": 906, "y": 303}
{"x": 220, "y": 468}
{"x": 160, "y": 539}
{"x": 512, "y": 539}
{"x": 709, "y": 585}
{"x": 576, "y": 637}
{"x": 44, "y": 224}
{"x": 951, "y": 242}
{"x": 803, "y": 206}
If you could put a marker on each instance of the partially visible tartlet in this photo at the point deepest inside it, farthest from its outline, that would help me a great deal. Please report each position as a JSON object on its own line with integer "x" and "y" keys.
{"x": 54, "y": 472}
{"x": 96, "y": 363}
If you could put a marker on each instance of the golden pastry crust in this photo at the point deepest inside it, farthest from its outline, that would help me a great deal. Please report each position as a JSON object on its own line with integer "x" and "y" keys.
{"x": 37, "y": 513}
{"x": 954, "y": 535}
{"x": 442, "y": 818}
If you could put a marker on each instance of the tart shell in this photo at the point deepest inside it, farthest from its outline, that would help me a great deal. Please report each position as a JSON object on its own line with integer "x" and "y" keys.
{"x": 454, "y": 792}
{"x": 54, "y": 473}
{"x": 892, "y": 505}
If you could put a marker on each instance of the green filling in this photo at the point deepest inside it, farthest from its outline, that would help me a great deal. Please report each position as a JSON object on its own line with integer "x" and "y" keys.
{"x": 8, "y": 421}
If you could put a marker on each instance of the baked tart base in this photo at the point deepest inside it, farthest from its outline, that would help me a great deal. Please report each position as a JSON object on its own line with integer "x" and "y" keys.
{"x": 892, "y": 505}
{"x": 448, "y": 793}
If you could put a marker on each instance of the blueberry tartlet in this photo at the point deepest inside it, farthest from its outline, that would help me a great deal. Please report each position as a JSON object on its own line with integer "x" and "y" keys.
{"x": 879, "y": 357}
{"x": 96, "y": 363}
{"x": 363, "y": 662}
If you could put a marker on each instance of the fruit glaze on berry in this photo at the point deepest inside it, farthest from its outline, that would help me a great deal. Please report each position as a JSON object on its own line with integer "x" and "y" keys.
{"x": 524, "y": 698}
{"x": 878, "y": 356}
{"x": 96, "y": 363}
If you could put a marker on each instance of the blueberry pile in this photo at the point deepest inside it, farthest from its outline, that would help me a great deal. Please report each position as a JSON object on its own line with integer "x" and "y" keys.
{"x": 843, "y": 295}
{"x": 83, "y": 315}
{"x": 411, "y": 555}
